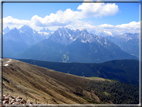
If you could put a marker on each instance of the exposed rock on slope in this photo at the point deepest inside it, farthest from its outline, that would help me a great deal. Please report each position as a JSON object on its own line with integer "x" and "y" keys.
{"x": 7, "y": 99}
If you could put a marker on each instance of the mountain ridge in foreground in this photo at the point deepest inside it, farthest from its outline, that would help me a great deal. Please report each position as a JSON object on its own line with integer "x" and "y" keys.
{"x": 126, "y": 70}
{"x": 52, "y": 87}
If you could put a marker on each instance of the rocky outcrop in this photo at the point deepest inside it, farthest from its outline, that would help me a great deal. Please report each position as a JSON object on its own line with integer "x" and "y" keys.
{"x": 14, "y": 100}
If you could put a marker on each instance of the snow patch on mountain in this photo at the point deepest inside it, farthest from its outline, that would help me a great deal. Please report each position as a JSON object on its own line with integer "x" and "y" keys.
{"x": 108, "y": 32}
{"x": 21, "y": 31}
{"x": 128, "y": 36}
{"x": 60, "y": 33}
{"x": 102, "y": 32}
{"x": 44, "y": 33}
{"x": 66, "y": 36}
{"x": 7, "y": 63}
{"x": 34, "y": 31}
{"x": 68, "y": 32}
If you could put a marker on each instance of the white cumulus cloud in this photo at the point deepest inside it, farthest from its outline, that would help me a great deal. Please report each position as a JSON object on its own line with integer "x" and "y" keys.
{"x": 65, "y": 18}
{"x": 13, "y": 22}
{"x": 132, "y": 27}
{"x": 106, "y": 26}
{"x": 98, "y": 9}
{"x": 61, "y": 18}
{"x": 85, "y": 10}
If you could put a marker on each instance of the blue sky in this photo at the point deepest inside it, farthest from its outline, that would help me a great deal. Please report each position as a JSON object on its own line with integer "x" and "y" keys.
{"x": 27, "y": 10}
{"x": 106, "y": 16}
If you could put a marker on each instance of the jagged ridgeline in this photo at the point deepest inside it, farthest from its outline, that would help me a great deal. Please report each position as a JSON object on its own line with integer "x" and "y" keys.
{"x": 64, "y": 45}
{"x": 44, "y": 85}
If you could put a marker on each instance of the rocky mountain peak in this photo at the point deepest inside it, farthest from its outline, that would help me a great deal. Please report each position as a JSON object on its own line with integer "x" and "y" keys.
{"x": 66, "y": 36}
{"x": 85, "y": 31}
{"x": 26, "y": 28}
{"x": 45, "y": 30}
{"x": 6, "y": 30}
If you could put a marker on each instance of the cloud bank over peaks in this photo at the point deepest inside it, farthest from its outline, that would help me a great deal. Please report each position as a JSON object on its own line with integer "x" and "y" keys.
{"x": 70, "y": 18}
{"x": 132, "y": 27}
{"x": 74, "y": 19}
{"x": 11, "y": 20}
{"x": 61, "y": 18}
{"x": 64, "y": 18}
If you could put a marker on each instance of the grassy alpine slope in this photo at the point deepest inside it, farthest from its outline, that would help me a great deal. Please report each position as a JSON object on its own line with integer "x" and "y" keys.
{"x": 48, "y": 86}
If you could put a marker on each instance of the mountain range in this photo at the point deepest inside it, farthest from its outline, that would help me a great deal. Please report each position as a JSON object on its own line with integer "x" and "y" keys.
{"x": 16, "y": 40}
{"x": 128, "y": 42}
{"x": 66, "y": 45}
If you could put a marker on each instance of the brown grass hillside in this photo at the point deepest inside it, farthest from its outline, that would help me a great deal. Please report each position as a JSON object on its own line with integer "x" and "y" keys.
{"x": 42, "y": 85}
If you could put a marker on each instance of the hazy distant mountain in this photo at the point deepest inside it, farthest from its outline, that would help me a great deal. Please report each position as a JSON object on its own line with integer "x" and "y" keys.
{"x": 128, "y": 42}
{"x": 45, "y": 30}
{"x": 30, "y": 36}
{"x": 6, "y": 30}
{"x": 12, "y": 43}
{"x": 46, "y": 86}
{"x": 16, "y": 40}
{"x": 66, "y": 45}
{"x": 102, "y": 32}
